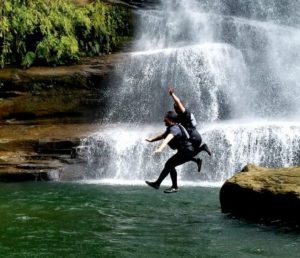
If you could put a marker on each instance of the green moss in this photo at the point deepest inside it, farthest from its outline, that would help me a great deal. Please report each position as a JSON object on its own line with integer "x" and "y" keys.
{"x": 59, "y": 32}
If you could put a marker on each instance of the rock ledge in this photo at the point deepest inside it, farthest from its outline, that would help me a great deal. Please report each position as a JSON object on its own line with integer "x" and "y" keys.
{"x": 263, "y": 194}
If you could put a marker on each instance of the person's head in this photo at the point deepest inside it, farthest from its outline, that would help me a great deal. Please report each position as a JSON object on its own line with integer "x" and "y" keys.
{"x": 170, "y": 118}
{"x": 177, "y": 109}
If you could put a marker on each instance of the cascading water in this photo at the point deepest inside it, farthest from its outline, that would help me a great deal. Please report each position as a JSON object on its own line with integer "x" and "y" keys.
{"x": 236, "y": 66}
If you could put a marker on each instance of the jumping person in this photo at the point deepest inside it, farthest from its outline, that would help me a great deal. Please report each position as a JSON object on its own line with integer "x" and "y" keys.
{"x": 177, "y": 138}
{"x": 187, "y": 119}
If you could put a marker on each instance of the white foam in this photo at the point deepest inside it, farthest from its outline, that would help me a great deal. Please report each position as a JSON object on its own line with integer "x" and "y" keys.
{"x": 120, "y": 151}
{"x": 223, "y": 67}
{"x": 142, "y": 183}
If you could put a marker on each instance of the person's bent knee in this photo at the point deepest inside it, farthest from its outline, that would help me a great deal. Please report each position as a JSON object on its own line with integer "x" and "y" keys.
{"x": 169, "y": 165}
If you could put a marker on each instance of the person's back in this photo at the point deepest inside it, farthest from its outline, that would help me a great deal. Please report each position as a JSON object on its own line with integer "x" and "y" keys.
{"x": 181, "y": 140}
{"x": 187, "y": 119}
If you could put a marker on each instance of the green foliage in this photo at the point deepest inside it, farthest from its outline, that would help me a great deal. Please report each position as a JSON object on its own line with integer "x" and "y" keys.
{"x": 28, "y": 59}
{"x": 58, "y": 32}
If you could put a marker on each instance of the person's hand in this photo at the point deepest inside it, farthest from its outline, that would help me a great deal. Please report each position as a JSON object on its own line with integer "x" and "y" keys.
{"x": 148, "y": 140}
{"x": 157, "y": 151}
{"x": 171, "y": 90}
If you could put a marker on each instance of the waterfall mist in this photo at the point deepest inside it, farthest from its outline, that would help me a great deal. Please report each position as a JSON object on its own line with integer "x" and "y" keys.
{"x": 235, "y": 64}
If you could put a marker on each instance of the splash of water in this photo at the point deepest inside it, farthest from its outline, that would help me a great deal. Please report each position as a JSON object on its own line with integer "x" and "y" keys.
{"x": 236, "y": 62}
{"x": 124, "y": 155}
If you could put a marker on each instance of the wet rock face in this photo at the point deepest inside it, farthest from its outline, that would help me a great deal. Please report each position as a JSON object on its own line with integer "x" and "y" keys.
{"x": 75, "y": 92}
{"x": 36, "y": 160}
{"x": 41, "y": 152}
{"x": 262, "y": 194}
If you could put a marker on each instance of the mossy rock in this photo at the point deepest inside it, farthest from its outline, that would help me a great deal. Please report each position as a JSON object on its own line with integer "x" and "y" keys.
{"x": 266, "y": 194}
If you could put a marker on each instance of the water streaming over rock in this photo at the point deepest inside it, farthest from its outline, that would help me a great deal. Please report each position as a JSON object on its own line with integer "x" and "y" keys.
{"x": 236, "y": 66}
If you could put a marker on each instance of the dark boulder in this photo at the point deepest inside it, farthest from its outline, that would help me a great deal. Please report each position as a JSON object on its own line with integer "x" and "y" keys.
{"x": 263, "y": 194}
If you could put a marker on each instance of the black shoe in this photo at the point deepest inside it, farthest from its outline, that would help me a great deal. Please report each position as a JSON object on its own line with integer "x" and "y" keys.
{"x": 171, "y": 190}
{"x": 152, "y": 184}
{"x": 205, "y": 148}
{"x": 199, "y": 164}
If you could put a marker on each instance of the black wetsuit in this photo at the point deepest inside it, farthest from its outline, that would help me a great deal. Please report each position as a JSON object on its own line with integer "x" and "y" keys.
{"x": 184, "y": 154}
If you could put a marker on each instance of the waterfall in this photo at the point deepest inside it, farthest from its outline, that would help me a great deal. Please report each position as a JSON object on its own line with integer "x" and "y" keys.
{"x": 235, "y": 66}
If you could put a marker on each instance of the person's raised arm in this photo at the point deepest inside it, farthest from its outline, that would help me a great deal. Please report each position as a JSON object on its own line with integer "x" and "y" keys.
{"x": 176, "y": 100}
{"x": 164, "y": 143}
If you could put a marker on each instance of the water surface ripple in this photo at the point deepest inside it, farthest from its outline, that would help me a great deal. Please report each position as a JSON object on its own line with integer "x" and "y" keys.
{"x": 84, "y": 220}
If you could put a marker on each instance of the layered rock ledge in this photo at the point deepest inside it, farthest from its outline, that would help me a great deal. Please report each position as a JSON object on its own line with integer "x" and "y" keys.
{"x": 263, "y": 194}
{"x": 44, "y": 114}
{"x": 42, "y": 152}
{"x": 74, "y": 92}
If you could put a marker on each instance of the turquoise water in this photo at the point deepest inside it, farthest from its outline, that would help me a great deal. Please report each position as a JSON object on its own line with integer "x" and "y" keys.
{"x": 84, "y": 220}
